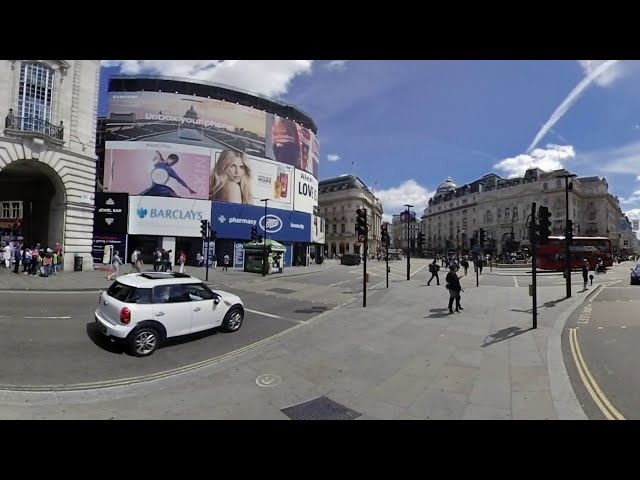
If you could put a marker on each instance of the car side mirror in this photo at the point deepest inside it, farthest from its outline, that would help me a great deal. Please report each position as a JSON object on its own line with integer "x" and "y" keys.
{"x": 216, "y": 300}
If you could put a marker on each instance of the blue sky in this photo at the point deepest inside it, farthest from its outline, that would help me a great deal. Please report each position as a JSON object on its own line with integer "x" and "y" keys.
{"x": 404, "y": 126}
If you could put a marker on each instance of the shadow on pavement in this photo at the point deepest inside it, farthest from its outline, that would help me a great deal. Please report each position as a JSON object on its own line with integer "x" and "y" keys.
{"x": 553, "y": 303}
{"x": 529, "y": 310}
{"x": 312, "y": 310}
{"x": 438, "y": 313}
{"x": 504, "y": 334}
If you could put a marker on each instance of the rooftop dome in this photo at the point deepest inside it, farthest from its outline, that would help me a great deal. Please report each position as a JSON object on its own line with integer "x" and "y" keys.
{"x": 191, "y": 113}
{"x": 446, "y": 186}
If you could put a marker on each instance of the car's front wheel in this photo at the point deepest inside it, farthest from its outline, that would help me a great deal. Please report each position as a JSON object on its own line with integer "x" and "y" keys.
{"x": 144, "y": 341}
{"x": 232, "y": 320}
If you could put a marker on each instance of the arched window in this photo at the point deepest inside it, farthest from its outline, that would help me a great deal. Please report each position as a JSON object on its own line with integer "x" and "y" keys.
{"x": 489, "y": 216}
{"x": 499, "y": 214}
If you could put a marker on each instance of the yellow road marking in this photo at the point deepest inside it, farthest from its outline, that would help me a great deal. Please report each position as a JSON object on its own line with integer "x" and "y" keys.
{"x": 589, "y": 382}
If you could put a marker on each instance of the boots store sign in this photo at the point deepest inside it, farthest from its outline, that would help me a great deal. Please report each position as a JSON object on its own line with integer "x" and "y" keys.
{"x": 111, "y": 212}
{"x": 169, "y": 217}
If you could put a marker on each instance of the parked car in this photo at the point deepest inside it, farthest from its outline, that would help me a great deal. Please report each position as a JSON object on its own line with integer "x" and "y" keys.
{"x": 144, "y": 309}
{"x": 350, "y": 259}
{"x": 635, "y": 275}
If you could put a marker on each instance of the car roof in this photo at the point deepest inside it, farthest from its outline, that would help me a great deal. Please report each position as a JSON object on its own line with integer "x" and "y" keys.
{"x": 152, "y": 279}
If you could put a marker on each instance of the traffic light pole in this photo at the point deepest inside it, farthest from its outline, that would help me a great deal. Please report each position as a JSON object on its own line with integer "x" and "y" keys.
{"x": 364, "y": 262}
{"x": 387, "y": 262}
{"x": 207, "y": 240}
{"x": 534, "y": 258}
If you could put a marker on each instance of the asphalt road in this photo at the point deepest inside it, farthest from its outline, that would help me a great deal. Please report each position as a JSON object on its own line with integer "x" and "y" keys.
{"x": 50, "y": 338}
{"x": 600, "y": 347}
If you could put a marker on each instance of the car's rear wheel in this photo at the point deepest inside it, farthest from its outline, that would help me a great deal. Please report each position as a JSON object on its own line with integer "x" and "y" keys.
{"x": 232, "y": 320}
{"x": 144, "y": 341}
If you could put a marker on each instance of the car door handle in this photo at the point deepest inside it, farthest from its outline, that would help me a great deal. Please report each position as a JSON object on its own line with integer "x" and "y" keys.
{"x": 159, "y": 314}
{"x": 197, "y": 309}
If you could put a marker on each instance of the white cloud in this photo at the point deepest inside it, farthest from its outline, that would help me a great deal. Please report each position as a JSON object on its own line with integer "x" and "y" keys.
{"x": 409, "y": 192}
{"x": 547, "y": 159}
{"x": 611, "y": 74}
{"x": 596, "y": 71}
{"x": 266, "y": 77}
{"x": 638, "y": 178}
{"x": 336, "y": 65}
{"x": 332, "y": 157}
{"x": 634, "y": 215}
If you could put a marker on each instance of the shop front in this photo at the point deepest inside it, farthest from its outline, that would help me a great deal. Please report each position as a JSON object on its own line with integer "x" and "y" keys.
{"x": 232, "y": 223}
{"x": 172, "y": 224}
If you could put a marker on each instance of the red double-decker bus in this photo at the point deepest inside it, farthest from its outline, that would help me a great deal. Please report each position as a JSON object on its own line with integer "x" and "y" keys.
{"x": 551, "y": 254}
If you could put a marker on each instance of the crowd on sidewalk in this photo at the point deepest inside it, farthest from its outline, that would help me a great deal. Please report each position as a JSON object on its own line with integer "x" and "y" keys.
{"x": 34, "y": 260}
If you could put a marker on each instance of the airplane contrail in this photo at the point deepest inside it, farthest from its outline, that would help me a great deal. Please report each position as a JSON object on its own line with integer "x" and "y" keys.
{"x": 570, "y": 100}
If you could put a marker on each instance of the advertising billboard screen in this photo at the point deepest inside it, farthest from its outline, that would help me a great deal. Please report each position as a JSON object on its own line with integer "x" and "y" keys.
{"x": 111, "y": 213}
{"x": 239, "y": 178}
{"x": 157, "y": 169}
{"x": 232, "y": 220}
{"x": 293, "y": 145}
{"x": 186, "y": 119}
{"x": 169, "y": 217}
{"x": 317, "y": 230}
{"x": 305, "y": 194}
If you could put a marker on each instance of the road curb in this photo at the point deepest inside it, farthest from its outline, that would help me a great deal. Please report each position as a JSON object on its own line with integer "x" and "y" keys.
{"x": 563, "y": 395}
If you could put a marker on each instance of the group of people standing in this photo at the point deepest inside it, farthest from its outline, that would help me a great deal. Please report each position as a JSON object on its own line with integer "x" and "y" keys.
{"x": 35, "y": 259}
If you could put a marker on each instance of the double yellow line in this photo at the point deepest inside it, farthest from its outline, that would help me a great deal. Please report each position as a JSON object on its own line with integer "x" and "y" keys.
{"x": 598, "y": 396}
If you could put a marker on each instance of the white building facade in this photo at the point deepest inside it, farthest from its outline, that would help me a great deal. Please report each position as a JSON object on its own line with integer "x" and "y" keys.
{"x": 47, "y": 150}
{"x": 502, "y": 206}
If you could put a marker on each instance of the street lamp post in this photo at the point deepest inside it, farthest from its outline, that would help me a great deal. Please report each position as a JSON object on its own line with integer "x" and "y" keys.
{"x": 264, "y": 239}
{"x": 567, "y": 254}
{"x": 408, "y": 240}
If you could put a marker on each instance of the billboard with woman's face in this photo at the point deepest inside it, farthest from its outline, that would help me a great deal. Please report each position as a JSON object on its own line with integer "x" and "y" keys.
{"x": 238, "y": 178}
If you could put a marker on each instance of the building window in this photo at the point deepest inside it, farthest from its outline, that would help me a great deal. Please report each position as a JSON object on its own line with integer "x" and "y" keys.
{"x": 35, "y": 95}
{"x": 499, "y": 214}
{"x": 544, "y": 186}
{"x": 506, "y": 214}
{"x": 16, "y": 210}
{"x": 590, "y": 205}
{"x": 5, "y": 209}
{"x": 558, "y": 183}
{"x": 343, "y": 228}
{"x": 335, "y": 229}
{"x": 515, "y": 213}
{"x": 489, "y": 216}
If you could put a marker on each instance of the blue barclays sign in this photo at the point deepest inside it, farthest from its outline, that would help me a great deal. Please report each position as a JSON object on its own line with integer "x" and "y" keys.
{"x": 233, "y": 220}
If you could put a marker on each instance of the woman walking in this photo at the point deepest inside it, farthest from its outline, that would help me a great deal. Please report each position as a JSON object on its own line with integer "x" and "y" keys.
{"x": 116, "y": 261}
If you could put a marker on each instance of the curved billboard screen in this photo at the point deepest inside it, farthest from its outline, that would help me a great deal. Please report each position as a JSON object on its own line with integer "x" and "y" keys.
{"x": 175, "y": 145}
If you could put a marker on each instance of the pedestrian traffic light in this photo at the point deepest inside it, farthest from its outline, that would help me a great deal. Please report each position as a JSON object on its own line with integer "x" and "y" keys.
{"x": 214, "y": 236}
{"x": 254, "y": 234}
{"x": 544, "y": 224}
{"x": 483, "y": 237}
{"x": 204, "y": 228}
{"x": 361, "y": 223}
{"x": 420, "y": 240}
{"x": 384, "y": 233}
{"x": 569, "y": 232}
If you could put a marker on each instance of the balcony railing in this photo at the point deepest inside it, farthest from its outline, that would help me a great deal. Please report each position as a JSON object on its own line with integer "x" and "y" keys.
{"x": 34, "y": 125}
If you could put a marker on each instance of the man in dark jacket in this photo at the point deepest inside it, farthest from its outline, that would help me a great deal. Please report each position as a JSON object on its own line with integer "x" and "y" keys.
{"x": 454, "y": 287}
{"x": 433, "y": 268}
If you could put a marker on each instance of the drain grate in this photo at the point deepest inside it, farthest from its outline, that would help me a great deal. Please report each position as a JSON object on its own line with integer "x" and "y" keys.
{"x": 280, "y": 290}
{"x": 321, "y": 408}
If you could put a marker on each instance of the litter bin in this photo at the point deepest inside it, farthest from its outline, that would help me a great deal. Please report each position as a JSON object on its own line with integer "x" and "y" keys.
{"x": 77, "y": 264}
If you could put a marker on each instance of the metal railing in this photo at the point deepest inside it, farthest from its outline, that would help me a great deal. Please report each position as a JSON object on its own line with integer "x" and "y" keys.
{"x": 36, "y": 125}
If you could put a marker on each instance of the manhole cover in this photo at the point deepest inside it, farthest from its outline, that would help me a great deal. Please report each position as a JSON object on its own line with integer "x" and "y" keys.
{"x": 321, "y": 408}
{"x": 280, "y": 290}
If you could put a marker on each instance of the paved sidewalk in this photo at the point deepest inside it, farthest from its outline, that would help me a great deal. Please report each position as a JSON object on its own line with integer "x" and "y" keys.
{"x": 402, "y": 357}
{"x": 97, "y": 279}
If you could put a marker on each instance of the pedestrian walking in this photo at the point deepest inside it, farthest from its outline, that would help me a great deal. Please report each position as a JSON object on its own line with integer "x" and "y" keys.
{"x": 465, "y": 265}
{"x": 454, "y": 287}
{"x": 585, "y": 273}
{"x": 433, "y": 268}
{"x": 182, "y": 260}
{"x": 116, "y": 261}
{"x": 225, "y": 261}
{"x": 214, "y": 261}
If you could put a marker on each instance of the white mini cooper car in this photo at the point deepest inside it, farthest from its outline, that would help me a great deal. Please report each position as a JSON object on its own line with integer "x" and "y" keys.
{"x": 143, "y": 309}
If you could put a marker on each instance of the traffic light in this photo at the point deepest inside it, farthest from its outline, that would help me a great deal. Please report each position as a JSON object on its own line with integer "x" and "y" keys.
{"x": 259, "y": 238}
{"x": 569, "y": 232}
{"x": 361, "y": 224}
{"x": 384, "y": 235}
{"x": 204, "y": 228}
{"x": 254, "y": 234}
{"x": 420, "y": 240}
{"x": 544, "y": 224}
{"x": 214, "y": 235}
{"x": 483, "y": 237}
